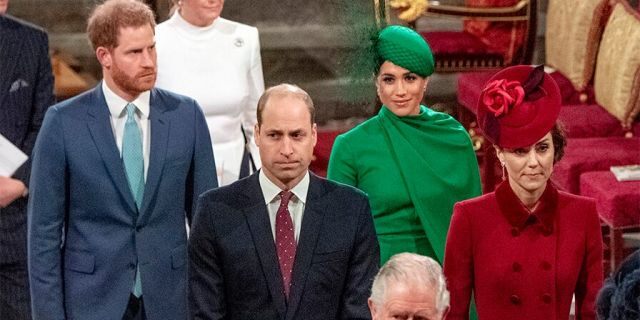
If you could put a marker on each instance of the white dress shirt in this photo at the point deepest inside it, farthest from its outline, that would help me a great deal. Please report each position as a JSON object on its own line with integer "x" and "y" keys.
{"x": 117, "y": 108}
{"x": 270, "y": 191}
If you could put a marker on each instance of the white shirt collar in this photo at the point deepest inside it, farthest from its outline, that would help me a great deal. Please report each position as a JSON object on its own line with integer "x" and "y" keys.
{"x": 270, "y": 190}
{"x": 117, "y": 105}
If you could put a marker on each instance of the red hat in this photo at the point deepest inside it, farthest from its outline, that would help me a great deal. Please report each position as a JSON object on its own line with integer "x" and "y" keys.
{"x": 518, "y": 106}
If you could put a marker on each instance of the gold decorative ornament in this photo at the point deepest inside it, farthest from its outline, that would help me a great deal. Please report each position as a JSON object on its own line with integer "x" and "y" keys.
{"x": 409, "y": 10}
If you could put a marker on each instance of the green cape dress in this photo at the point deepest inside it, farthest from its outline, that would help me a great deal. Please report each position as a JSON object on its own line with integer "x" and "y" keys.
{"x": 414, "y": 169}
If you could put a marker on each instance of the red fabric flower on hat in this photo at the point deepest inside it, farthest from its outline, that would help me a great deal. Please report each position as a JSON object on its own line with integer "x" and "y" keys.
{"x": 500, "y": 96}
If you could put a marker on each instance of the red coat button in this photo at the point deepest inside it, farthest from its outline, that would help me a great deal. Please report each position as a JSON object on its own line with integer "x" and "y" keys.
{"x": 515, "y": 232}
{"x": 515, "y": 299}
{"x": 546, "y": 298}
{"x": 517, "y": 267}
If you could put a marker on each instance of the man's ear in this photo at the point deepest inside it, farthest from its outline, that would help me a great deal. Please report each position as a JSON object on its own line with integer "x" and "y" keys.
{"x": 314, "y": 134}
{"x": 104, "y": 57}
{"x": 372, "y": 309}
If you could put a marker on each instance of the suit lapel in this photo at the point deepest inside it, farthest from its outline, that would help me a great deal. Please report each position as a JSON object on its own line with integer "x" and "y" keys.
{"x": 102, "y": 134}
{"x": 260, "y": 226}
{"x": 9, "y": 44}
{"x": 311, "y": 223}
{"x": 160, "y": 123}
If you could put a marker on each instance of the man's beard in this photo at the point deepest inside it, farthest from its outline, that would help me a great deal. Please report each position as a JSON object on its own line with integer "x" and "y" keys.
{"x": 133, "y": 85}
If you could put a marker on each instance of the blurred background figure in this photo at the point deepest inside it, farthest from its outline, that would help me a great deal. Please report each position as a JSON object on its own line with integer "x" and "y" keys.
{"x": 409, "y": 286}
{"x": 527, "y": 248}
{"x": 217, "y": 62}
{"x": 413, "y": 162}
{"x": 26, "y": 91}
{"x": 619, "y": 298}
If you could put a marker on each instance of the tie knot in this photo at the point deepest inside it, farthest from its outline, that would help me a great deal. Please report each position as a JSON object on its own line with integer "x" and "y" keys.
{"x": 285, "y": 196}
{"x": 131, "y": 110}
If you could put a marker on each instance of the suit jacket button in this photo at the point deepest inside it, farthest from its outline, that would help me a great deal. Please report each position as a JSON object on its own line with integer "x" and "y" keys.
{"x": 132, "y": 265}
{"x": 515, "y": 232}
{"x": 517, "y": 267}
{"x": 138, "y": 228}
{"x": 515, "y": 300}
{"x": 546, "y": 298}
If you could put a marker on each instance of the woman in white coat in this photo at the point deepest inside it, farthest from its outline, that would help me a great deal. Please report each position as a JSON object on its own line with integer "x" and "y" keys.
{"x": 217, "y": 62}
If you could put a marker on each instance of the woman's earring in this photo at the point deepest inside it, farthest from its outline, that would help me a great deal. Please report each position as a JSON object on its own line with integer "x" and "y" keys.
{"x": 504, "y": 174}
{"x": 179, "y": 3}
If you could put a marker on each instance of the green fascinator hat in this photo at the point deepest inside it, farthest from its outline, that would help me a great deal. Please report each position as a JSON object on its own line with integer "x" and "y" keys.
{"x": 405, "y": 48}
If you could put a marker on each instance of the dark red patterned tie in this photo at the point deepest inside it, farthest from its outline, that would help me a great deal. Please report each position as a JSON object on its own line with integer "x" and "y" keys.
{"x": 285, "y": 240}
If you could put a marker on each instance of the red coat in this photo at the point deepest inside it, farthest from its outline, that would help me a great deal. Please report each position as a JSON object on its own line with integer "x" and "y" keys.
{"x": 524, "y": 265}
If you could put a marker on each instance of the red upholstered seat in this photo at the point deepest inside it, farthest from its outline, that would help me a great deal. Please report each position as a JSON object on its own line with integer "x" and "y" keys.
{"x": 593, "y": 154}
{"x": 512, "y": 40}
{"x": 618, "y": 202}
{"x": 452, "y": 47}
{"x": 494, "y": 33}
{"x": 584, "y": 121}
{"x": 322, "y": 151}
{"x": 618, "y": 205}
{"x": 454, "y": 42}
{"x": 570, "y": 95}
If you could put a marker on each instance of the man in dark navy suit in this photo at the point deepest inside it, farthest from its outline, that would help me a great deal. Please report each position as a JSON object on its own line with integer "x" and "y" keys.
{"x": 26, "y": 91}
{"x": 116, "y": 172}
{"x": 282, "y": 243}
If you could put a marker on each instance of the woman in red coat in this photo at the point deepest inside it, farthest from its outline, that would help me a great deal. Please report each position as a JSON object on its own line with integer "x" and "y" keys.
{"x": 524, "y": 250}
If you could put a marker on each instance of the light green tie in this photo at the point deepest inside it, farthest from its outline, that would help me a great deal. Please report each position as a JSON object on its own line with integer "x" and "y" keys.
{"x": 134, "y": 167}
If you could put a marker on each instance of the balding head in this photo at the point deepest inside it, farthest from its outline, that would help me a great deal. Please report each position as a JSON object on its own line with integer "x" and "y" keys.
{"x": 284, "y": 90}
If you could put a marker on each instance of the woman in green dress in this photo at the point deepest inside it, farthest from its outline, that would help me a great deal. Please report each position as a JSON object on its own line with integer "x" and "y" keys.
{"x": 413, "y": 162}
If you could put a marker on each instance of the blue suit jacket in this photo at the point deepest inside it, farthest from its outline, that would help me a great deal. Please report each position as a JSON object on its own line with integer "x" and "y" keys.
{"x": 26, "y": 91}
{"x": 86, "y": 235}
{"x": 233, "y": 265}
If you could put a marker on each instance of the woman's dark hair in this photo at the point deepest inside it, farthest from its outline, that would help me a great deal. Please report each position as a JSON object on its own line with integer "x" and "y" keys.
{"x": 559, "y": 141}
{"x": 619, "y": 298}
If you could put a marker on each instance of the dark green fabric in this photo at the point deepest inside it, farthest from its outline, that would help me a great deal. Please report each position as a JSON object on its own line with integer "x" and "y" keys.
{"x": 405, "y": 48}
{"x": 414, "y": 169}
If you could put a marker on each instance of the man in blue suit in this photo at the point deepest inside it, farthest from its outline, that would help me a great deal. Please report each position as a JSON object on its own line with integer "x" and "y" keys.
{"x": 26, "y": 91}
{"x": 282, "y": 243}
{"x": 116, "y": 171}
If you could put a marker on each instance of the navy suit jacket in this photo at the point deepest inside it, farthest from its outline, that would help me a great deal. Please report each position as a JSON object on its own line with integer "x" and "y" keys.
{"x": 85, "y": 233}
{"x": 233, "y": 265}
{"x": 26, "y": 91}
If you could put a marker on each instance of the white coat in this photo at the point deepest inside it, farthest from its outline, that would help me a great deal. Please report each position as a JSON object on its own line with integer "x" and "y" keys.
{"x": 220, "y": 67}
